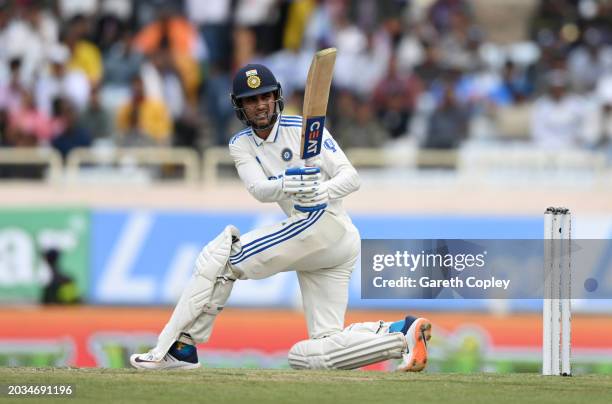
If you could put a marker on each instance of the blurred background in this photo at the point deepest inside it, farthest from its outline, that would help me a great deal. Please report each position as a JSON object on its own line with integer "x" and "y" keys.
{"x": 465, "y": 119}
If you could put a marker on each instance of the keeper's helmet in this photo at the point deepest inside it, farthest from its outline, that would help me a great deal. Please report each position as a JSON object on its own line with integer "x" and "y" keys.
{"x": 254, "y": 79}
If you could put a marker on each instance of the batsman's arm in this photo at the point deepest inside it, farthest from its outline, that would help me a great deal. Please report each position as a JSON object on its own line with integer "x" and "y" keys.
{"x": 344, "y": 179}
{"x": 254, "y": 178}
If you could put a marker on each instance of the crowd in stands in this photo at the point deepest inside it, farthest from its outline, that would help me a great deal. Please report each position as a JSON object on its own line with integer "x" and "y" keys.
{"x": 76, "y": 73}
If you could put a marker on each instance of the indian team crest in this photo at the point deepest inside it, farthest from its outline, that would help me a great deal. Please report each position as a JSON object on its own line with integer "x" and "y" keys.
{"x": 286, "y": 154}
{"x": 253, "y": 81}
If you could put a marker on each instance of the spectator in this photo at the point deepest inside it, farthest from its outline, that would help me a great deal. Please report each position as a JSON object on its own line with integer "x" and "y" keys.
{"x": 512, "y": 86}
{"x": 95, "y": 119}
{"x": 162, "y": 81}
{"x": 113, "y": 21}
{"x": 343, "y": 111}
{"x": 558, "y": 117}
{"x": 264, "y": 18}
{"x": 44, "y": 23}
{"x": 602, "y": 126}
{"x": 244, "y": 45}
{"x": 605, "y": 139}
{"x": 174, "y": 32}
{"x": 187, "y": 129}
{"x": 299, "y": 15}
{"x": 442, "y": 12}
{"x": 84, "y": 55}
{"x": 28, "y": 126}
{"x": 121, "y": 63}
{"x": 319, "y": 29}
{"x": 448, "y": 124}
{"x": 551, "y": 59}
{"x": 23, "y": 39}
{"x": 61, "y": 81}
{"x": 220, "y": 113}
{"x": 161, "y": 77}
{"x": 373, "y": 62}
{"x": 69, "y": 133}
{"x": 362, "y": 129}
{"x": 108, "y": 31}
{"x": 24, "y": 126}
{"x": 431, "y": 68}
{"x": 461, "y": 43}
{"x": 395, "y": 97}
{"x": 603, "y": 117}
{"x": 143, "y": 121}
{"x": 213, "y": 19}
{"x": 410, "y": 50}
{"x": 170, "y": 30}
{"x": 588, "y": 62}
{"x": 351, "y": 41}
{"x": 12, "y": 89}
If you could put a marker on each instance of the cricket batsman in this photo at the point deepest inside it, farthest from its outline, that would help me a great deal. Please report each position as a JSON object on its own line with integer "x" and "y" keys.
{"x": 317, "y": 240}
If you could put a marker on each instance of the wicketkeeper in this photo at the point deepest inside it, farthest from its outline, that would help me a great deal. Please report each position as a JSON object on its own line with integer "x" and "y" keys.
{"x": 317, "y": 240}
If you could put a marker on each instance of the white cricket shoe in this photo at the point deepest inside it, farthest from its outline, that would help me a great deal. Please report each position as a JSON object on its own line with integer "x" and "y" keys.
{"x": 168, "y": 362}
{"x": 417, "y": 336}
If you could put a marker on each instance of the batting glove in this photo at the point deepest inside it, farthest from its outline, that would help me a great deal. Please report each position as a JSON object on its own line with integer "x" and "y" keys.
{"x": 312, "y": 201}
{"x": 304, "y": 186}
{"x": 301, "y": 179}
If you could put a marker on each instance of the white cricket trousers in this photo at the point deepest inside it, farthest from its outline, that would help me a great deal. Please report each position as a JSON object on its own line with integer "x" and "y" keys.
{"x": 321, "y": 247}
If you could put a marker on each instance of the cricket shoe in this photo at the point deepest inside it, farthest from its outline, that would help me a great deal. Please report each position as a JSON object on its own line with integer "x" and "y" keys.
{"x": 417, "y": 336}
{"x": 181, "y": 356}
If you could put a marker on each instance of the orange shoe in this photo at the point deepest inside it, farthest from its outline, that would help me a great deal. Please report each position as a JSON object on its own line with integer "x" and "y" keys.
{"x": 417, "y": 336}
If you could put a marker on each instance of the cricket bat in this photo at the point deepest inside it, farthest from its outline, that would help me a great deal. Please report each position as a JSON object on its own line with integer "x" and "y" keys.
{"x": 315, "y": 103}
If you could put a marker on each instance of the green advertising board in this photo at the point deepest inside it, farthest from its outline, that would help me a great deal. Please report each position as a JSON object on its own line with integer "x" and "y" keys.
{"x": 30, "y": 240}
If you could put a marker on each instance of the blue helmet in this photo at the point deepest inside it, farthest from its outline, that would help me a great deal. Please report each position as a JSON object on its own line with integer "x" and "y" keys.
{"x": 254, "y": 79}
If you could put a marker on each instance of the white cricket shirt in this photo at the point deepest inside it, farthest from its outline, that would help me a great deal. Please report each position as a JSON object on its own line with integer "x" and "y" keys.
{"x": 262, "y": 163}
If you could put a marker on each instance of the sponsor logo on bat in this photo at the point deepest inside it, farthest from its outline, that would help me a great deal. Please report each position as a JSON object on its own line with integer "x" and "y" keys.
{"x": 313, "y": 136}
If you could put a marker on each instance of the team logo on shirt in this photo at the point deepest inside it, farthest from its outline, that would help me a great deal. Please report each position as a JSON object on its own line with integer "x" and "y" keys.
{"x": 253, "y": 81}
{"x": 330, "y": 145}
{"x": 286, "y": 154}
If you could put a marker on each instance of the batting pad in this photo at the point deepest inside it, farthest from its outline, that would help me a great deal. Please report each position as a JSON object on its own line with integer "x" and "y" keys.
{"x": 204, "y": 295}
{"x": 201, "y": 328}
{"x": 346, "y": 350}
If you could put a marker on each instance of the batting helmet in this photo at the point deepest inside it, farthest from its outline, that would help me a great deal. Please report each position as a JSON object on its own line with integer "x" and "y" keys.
{"x": 254, "y": 79}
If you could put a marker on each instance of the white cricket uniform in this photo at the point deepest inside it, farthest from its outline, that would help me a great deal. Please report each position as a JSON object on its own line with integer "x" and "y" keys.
{"x": 321, "y": 246}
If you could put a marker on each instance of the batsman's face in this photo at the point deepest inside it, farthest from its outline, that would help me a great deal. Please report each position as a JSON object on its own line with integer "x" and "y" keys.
{"x": 259, "y": 108}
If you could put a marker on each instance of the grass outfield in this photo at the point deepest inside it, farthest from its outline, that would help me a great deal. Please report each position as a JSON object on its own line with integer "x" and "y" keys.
{"x": 242, "y": 386}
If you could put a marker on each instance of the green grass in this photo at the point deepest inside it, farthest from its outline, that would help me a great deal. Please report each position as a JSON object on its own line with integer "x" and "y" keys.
{"x": 222, "y": 386}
